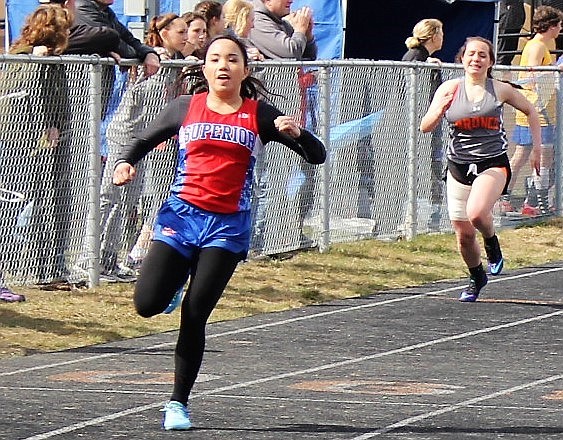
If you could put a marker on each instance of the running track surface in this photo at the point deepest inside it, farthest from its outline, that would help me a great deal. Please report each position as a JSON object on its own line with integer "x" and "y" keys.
{"x": 403, "y": 364}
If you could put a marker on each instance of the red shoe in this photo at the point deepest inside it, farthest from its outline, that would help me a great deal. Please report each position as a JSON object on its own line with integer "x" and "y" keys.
{"x": 530, "y": 211}
{"x": 506, "y": 206}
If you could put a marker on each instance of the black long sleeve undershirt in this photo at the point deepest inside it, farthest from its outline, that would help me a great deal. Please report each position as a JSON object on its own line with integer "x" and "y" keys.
{"x": 167, "y": 124}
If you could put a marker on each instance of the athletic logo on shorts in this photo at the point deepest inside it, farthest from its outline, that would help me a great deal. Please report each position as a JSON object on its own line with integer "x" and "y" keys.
{"x": 167, "y": 231}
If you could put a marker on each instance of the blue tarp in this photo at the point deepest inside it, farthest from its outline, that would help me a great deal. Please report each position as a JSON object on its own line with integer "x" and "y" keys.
{"x": 356, "y": 129}
{"x": 341, "y": 135}
{"x": 17, "y": 11}
{"x": 327, "y": 15}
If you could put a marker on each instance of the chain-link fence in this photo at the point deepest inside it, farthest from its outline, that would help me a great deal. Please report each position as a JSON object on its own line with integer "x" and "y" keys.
{"x": 62, "y": 124}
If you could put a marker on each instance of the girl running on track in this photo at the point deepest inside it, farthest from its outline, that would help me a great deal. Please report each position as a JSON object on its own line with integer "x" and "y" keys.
{"x": 203, "y": 228}
{"x": 478, "y": 165}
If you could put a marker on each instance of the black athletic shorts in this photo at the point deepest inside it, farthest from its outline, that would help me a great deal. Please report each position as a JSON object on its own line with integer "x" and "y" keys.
{"x": 460, "y": 171}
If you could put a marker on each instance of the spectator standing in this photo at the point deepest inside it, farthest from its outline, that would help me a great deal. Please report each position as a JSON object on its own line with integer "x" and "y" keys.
{"x": 197, "y": 35}
{"x": 239, "y": 19}
{"x": 547, "y": 25}
{"x": 557, "y": 4}
{"x": 168, "y": 35}
{"x": 279, "y": 34}
{"x": 427, "y": 38}
{"x": 478, "y": 165}
{"x": 203, "y": 229}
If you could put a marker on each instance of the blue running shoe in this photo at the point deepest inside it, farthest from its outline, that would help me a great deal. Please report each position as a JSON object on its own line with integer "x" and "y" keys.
{"x": 471, "y": 292}
{"x": 496, "y": 268}
{"x": 176, "y": 417}
{"x": 494, "y": 255}
{"x": 176, "y": 301}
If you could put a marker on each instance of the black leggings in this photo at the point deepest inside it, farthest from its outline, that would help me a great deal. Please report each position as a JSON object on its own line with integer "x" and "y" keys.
{"x": 163, "y": 272}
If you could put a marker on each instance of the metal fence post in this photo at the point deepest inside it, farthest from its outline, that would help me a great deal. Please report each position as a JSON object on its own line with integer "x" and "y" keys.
{"x": 324, "y": 117}
{"x": 94, "y": 176}
{"x": 411, "y": 221}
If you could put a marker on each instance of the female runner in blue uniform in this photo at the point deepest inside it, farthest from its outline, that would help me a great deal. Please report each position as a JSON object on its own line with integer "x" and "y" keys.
{"x": 203, "y": 228}
{"x": 478, "y": 165}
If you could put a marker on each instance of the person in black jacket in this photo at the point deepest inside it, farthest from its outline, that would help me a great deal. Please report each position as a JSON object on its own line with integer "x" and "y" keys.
{"x": 511, "y": 19}
{"x": 88, "y": 40}
{"x": 427, "y": 38}
{"x": 97, "y": 13}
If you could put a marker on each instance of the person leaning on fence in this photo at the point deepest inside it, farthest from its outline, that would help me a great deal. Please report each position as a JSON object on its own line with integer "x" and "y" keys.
{"x": 427, "y": 38}
{"x": 98, "y": 13}
{"x": 37, "y": 165}
{"x": 119, "y": 207}
{"x": 539, "y": 89}
{"x": 478, "y": 166}
{"x": 203, "y": 229}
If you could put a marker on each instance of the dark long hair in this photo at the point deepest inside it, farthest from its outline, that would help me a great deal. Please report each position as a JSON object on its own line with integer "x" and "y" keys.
{"x": 250, "y": 87}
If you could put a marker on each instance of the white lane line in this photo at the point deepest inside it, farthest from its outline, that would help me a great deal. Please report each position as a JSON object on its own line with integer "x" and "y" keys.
{"x": 464, "y": 404}
{"x": 246, "y": 397}
{"x": 384, "y": 403}
{"x": 274, "y": 324}
{"x": 276, "y": 377}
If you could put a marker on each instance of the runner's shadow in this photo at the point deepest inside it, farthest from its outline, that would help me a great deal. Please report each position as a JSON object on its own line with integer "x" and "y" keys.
{"x": 293, "y": 428}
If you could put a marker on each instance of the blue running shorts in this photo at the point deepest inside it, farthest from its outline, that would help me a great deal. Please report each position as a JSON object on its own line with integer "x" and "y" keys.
{"x": 187, "y": 228}
{"x": 522, "y": 135}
